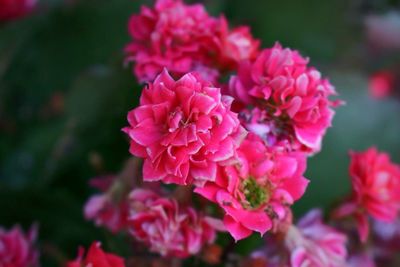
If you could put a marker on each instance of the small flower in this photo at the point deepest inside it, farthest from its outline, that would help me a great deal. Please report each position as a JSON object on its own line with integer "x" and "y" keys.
{"x": 183, "y": 129}
{"x": 312, "y": 243}
{"x": 17, "y": 248}
{"x": 381, "y": 84}
{"x": 96, "y": 257}
{"x": 109, "y": 208}
{"x": 258, "y": 190}
{"x": 376, "y": 186}
{"x": 13, "y": 9}
{"x": 167, "y": 228}
{"x": 293, "y": 95}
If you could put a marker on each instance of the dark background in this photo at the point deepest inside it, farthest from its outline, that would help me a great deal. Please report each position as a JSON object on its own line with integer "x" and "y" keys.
{"x": 64, "y": 96}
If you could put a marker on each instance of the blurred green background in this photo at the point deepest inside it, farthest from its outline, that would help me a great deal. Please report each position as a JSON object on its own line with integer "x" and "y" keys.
{"x": 65, "y": 93}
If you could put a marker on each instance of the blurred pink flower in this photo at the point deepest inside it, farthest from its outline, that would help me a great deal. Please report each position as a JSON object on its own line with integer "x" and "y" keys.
{"x": 294, "y": 96}
{"x": 361, "y": 260}
{"x": 381, "y": 84}
{"x": 12, "y": 9}
{"x": 256, "y": 192}
{"x": 185, "y": 38}
{"x": 17, "y": 248}
{"x": 376, "y": 189}
{"x": 109, "y": 208}
{"x": 167, "y": 228}
{"x": 96, "y": 257}
{"x": 183, "y": 129}
{"x": 312, "y": 243}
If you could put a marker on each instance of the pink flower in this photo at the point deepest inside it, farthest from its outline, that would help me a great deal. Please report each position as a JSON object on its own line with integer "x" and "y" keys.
{"x": 168, "y": 229}
{"x": 173, "y": 35}
{"x": 12, "y": 9}
{"x": 109, "y": 208}
{"x": 237, "y": 45}
{"x": 257, "y": 191}
{"x": 381, "y": 84}
{"x": 96, "y": 257}
{"x": 376, "y": 186}
{"x": 361, "y": 260}
{"x": 294, "y": 96}
{"x": 185, "y": 38}
{"x": 312, "y": 243}
{"x": 17, "y": 248}
{"x": 183, "y": 129}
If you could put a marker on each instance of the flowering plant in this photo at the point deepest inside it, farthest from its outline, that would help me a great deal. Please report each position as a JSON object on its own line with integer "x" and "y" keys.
{"x": 216, "y": 155}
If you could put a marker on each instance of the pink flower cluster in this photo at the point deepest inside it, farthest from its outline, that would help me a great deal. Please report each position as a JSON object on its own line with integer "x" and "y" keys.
{"x": 17, "y": 248}
{"x": 189, "y": 133}
{"x": 376, "y": 189}
{"x": 12, "y": 9}
{"x": 167, "y": 228}
{"x": 184, "y": 38}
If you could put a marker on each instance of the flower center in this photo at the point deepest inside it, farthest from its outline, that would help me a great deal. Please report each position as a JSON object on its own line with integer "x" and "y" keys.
{"x": 255, "y": 194}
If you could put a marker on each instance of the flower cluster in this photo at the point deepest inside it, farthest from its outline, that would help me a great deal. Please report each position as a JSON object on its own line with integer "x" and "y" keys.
{"x": 167, "y": 228}
{"x": 184, "y": 38}
{"x": 17, "y": 248}
{"x": 243, "y": 145}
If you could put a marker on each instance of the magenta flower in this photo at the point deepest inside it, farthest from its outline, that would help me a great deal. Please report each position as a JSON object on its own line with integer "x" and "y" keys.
{"x": 185, "y": 38}
{"x": 12, "y": 9}
{"x": 183, "y": 129}
{"x": 110, "y": 207}
{"x": 167, "y": 228}
{"x": 256, "y": 192}
{"x": 312, "y": 243}
{"x": 179, "y": 37}
{"x": 17, "y": 248}
{"x": 376, "y": 186}
{"x": 294, "y": 96}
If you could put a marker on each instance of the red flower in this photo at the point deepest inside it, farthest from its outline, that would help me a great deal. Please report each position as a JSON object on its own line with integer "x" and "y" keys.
{"x": 96, "y": 257}
{"x": 11, "y": 9}
{"x": 381, "y": 84}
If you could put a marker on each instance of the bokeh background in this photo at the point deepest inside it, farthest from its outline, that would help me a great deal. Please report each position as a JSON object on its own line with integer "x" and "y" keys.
{"x": 65, "y": 93}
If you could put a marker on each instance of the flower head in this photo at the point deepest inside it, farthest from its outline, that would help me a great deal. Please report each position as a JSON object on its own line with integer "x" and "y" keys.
{"x": 185, "y": 38}
{"x": 183, "y": 129}
{"x": 109, "y": 208}
{"x": 376, "y": 186}
{"x": 167, "y": 228}
{"x": 293, "y": 95}
{"x": 257, "y": 191}
{"x": 17, "y": 248}
{"x": 96, "y": 257}
{"x": 312, "y": 243}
